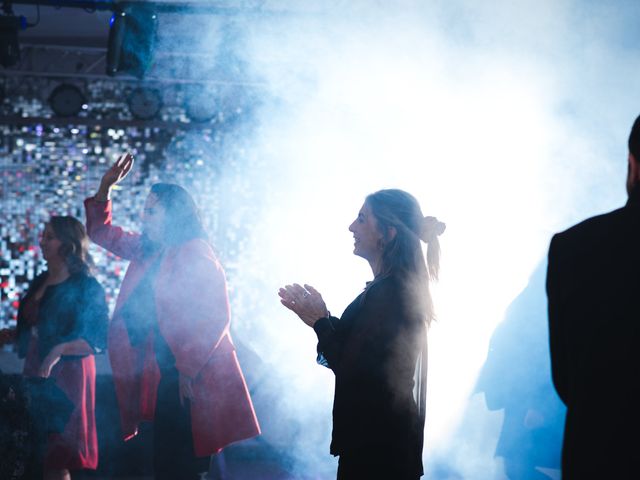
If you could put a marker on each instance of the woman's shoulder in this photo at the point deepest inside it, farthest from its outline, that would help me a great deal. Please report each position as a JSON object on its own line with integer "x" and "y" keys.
{"x": 194, "y": 249}
{"x": 393, "y": 289}
{"x": 383, "y": 289}
{"x": 36, "y": 283}
{"x": 85, "y": 280}
{"x": 387, "y": 283}
{"x": 193, "y": 259}
{"x": 38, "y": 280}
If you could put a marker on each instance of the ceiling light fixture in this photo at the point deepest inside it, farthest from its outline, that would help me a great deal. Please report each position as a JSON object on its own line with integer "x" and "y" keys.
{"x": 10, "y": 25}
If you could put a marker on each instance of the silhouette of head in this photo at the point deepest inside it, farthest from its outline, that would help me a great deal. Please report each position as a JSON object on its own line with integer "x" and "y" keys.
{"x": 633, "y": 171}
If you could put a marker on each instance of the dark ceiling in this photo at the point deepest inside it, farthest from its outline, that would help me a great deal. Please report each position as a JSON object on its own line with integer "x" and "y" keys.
{"x": 71, "y": 37}
{"x": 64, "y": 26}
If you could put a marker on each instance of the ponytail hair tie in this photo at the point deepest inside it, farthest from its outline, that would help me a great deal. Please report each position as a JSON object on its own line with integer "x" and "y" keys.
{"x": 431, "y": 229}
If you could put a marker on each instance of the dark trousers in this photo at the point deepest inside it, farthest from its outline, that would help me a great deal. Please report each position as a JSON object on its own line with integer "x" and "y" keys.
{"x": 379, "y": 465}
{"x": 173, "y": 453}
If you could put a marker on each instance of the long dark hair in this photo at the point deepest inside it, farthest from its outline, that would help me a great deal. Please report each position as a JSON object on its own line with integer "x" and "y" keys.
{"x": 402, "y": 253}
{"x": 182, "y": 221}
{"x": 634, "y": 140}
{"x": 74, "y": 241}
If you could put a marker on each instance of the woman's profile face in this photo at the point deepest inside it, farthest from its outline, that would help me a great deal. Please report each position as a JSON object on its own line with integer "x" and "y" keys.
{"x": 49, "y": 243}
{"x": 153, "y": 218}
{"x": 366, "y": 234}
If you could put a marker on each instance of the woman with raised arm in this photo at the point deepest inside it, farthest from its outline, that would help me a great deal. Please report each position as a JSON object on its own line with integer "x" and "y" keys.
{"x": 171, "y": 352}
{"x": 62, "y": 323}
{"x": 378, "y": 349}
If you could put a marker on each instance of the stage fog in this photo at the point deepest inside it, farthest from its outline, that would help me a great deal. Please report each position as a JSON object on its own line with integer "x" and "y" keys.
{"x": 508, "y": 121}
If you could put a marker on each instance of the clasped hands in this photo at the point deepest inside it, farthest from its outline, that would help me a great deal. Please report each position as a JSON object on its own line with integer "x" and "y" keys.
{"x": 306, "y": 302}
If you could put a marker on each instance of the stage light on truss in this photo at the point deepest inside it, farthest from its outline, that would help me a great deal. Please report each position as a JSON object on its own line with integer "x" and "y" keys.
{"x": 132, "y": 39}
{"x": 66, "y": 100}
{"x": 201, "y": 104}
{"x": 144, "y": 103}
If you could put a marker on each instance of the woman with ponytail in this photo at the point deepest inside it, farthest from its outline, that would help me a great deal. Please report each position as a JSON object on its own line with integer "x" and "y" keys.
{"x": 377, "y": 348}
{"x": 62, "y": 323}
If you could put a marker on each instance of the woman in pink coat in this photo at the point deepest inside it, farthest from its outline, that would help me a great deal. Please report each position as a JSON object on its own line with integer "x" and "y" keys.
{"x": 171, "y": 352}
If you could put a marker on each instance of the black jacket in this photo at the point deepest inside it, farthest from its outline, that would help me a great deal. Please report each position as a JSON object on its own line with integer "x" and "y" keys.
{"x": 593, "y": 287}
{"x": 73, "y": 309}
{"x": 373, "y": 349}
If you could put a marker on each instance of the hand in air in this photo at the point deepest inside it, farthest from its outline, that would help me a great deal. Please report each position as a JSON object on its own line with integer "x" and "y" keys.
{"x": 116, "y": 173}
{"x": 306, "y": 302}
{"x": 119, "y": 170}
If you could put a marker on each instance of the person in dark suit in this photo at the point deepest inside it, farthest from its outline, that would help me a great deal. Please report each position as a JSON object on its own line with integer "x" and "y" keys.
{"x": 593, "y": 288}
{"x": 377, "y": 349}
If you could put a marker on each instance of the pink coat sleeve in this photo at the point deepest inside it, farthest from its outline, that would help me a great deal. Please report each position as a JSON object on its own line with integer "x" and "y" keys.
{"x": 193, "y": 306}
{"x": 101, "y": 231}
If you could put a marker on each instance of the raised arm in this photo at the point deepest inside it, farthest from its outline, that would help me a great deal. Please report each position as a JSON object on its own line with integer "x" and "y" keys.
{"x": 114, "y": 175}
{"x": 98, "y": 211}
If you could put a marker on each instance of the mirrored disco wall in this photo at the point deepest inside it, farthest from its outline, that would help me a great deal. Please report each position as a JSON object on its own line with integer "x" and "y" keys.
{"x": 49, "y": 164}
